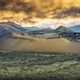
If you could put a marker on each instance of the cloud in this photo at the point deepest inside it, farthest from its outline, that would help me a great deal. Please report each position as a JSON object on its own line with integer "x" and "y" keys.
{"x": 72, "y": 11}
{"x": 26, "y": 10}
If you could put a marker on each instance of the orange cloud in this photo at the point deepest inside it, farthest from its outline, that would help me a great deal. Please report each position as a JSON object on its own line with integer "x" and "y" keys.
{"x": 28, "y": 10}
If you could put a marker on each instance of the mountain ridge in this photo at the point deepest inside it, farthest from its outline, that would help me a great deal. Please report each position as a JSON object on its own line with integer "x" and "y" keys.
{"x": 10, "y": 27}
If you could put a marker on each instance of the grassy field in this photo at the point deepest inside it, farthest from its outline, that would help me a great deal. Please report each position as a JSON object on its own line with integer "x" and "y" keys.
{"x": 39, "y": 66}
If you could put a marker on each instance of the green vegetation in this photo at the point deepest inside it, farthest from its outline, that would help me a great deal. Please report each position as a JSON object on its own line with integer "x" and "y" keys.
{"x": 39, "y": 66}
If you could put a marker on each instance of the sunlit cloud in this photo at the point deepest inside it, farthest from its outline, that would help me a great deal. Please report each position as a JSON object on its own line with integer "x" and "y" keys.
{"x": 35, "y": 11}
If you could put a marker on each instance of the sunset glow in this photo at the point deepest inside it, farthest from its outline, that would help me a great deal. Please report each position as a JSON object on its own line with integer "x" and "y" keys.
{"x": 31, "y": 12}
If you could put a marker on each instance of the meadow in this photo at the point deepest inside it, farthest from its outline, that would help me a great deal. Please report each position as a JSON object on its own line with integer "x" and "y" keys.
{"x": 39, "y": 66}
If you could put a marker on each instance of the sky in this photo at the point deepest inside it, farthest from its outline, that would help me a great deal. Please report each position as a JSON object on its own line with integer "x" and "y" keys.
{"x": 33, "y": 11}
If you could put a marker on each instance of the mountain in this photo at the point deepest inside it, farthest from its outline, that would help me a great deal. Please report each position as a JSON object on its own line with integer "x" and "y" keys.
{"x": 75, "y": 28}
{"x": 6, "y": 28}
{"x": 13, "y": 27}
{"x": 61, "y": 29}
{"x": 3, "y": 32}
{"x": 42, "y": 28}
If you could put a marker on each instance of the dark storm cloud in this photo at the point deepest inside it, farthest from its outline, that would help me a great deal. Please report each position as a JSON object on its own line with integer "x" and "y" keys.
{"x": 72, "y": 11}
{"x": 20, "y": 6}
{"x": 17, "y": 6}
{"x": 29, "y": 8}
{"x": 3, "y": 3}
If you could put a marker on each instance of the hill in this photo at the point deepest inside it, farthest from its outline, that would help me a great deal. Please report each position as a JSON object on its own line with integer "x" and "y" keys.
{"x": 75, "y": 28}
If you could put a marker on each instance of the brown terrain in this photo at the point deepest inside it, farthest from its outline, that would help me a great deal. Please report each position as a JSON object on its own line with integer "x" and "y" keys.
{"x": 40, "y": 45}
